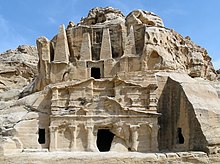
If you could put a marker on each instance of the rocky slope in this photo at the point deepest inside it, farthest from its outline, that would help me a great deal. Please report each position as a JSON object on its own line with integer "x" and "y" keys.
{"x": 142, "y": 49}
{"x": 218, "y": 72}
{"x": 17, "y": 70}
{"x": 18, "y": 67}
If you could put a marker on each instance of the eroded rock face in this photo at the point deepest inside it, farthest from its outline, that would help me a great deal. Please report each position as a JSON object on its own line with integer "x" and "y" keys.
{"x": 18, "y": 67}
{"x": 103, "y": 15}
{"x": 141, "y": 35}
{"x": 143, "y": 17}
{"x": 116, "y": 83}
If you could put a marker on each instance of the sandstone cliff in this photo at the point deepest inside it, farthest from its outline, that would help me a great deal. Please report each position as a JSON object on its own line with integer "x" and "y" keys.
{"x": 109, "y": 63}
{"x": 141, "y": 35}
{"x": 18, "y": 67}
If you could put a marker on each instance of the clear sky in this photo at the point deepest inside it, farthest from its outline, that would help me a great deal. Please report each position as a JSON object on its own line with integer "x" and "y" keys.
{"x": 23, "y": 21}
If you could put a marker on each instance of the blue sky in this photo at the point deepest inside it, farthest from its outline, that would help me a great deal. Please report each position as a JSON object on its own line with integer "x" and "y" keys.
{"x": 23, "y": 21}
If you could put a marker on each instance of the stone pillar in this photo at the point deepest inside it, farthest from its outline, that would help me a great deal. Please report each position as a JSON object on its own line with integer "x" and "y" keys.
{"x": 43, "y": 48}
{"x": 70, "y": 38}
{"x": 73, "y": 129}
{"x": 53, "y": 138}
{"x": 134, "y": 137}
{"x": 55, "y": 101}
{"x": 86, "y": 49}
{"x": 91, "y": 144}
{"x": 152, "y": 97}
{"x": 130, "y": 49}
{"x": 154, "y": 133}
{"x": 153, "y": 100}
{"x": 106, "y": 49}
{"x": 61, "y": 53}
{"x": 89, "y": 137}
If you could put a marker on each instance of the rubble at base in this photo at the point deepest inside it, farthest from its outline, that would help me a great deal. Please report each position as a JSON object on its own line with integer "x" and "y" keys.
{"x": 109, "y": 157}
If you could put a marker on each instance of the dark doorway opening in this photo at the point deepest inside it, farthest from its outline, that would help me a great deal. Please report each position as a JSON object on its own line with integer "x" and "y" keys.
{"x": 41, "y": 137}
{"x": 104, "y": 139}
{"x": 180, "y": 139}
{"x": 95, "y": 72}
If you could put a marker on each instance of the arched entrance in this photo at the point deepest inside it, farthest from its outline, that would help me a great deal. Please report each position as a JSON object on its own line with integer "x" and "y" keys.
{"x": 104, "y": 139}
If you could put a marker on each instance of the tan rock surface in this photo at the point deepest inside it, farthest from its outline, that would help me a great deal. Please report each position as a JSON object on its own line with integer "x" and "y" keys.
{"x": 17, "y": 67}
{"x": 109, "y": 157}
{"x": 111, "y": 83}
{"x": 140, "y": 35}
